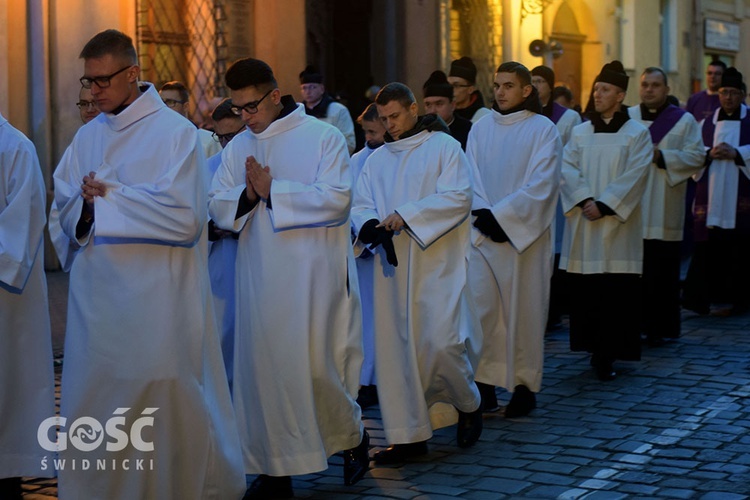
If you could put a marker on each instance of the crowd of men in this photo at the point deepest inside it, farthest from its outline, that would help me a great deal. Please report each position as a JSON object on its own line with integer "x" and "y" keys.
{"x": 237, "y": 298}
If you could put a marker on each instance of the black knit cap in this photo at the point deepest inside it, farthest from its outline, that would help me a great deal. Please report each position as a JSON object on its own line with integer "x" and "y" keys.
{"x": 732, "y": 78}
{"x": 464, "y": 68}
{"x": 437, "y": 86}
{"x": 546, "y": 73}
{"x": 310, "y": 75}
{"x": 614, "y": 73}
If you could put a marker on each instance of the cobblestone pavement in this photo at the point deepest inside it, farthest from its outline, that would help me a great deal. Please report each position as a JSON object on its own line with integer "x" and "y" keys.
{"x": 671, "y": 426}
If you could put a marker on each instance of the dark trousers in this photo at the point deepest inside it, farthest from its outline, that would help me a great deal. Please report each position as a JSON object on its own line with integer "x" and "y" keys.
{"x": 661, "y": 288}
{"x": 605, "y": 315}
{"x": 558, "y": 296}
{"x": 719, "y": 270}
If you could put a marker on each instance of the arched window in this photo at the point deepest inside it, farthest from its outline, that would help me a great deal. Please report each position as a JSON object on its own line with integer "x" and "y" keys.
{"x": 184, "y": 40}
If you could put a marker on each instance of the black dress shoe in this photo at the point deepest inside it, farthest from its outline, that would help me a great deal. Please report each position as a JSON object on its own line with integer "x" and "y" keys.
{"x": 521, "y": 403}
{"x": 469, "y": 428}
{"x": 269, "y": 487}
{"x": 367, "y": 396}
{"x": 654, "y": 341}
{"x": 489, "y": 398}
{"x": 10, "y": 488}
{"x": 357, "y": 461}
{"x": 399, "y": 453}
{"x": 603, "y": 368}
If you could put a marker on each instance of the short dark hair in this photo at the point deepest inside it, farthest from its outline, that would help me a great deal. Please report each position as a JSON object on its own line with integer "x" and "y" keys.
{"x": 562, "y": 91}
{"x": 112, "y": 42}
{"x": 223, "y": 110}
{"x": 719, "y": 63}
{"x": 179, "y": 87}
{"x": 524, "y": 75}
{"x": 370, "y": 114}
{"x": 249, "y": 72}
{"x": 395, "y": 91}
{"x": 655, "y": 69}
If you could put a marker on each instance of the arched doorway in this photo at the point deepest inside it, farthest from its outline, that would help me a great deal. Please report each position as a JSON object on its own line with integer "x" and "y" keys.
{"x": 567, "y": 67}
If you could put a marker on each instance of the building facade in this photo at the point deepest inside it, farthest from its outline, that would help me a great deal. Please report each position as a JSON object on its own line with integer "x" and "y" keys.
{"x": 355, "y": 44}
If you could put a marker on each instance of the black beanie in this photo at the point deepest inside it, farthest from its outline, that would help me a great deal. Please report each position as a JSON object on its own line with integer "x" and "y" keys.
{"x": 546, "y": 73}
{"x": 437, "y": 86}
{"x": 464, "y": 68}
{"x": 732, "y": 78}
{"x": 614, "y": 73}
{"x": 310, "y": 75}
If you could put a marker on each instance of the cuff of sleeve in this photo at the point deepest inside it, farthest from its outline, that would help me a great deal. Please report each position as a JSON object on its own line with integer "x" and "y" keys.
{"x": 244, "y": 206}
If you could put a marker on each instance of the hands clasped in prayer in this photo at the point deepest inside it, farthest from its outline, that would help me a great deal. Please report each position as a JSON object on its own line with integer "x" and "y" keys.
{"x": 723, "y": 151}
{"x": 591, "y": 211}
{"x": 258, "y": 179}
{"x": 91, "y": 188}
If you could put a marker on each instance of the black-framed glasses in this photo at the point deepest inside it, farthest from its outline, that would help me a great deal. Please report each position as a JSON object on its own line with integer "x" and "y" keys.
{"x": 101, "y": 81}
{"x": 730, "y": 93}
{"x": 86, "y": 104}
{"x": 251, "y": 107}
{"x": 224, "y": 138}
{"x": 172, "y": 103}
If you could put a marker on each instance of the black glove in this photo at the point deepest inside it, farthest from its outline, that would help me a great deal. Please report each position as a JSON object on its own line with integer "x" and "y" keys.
{"x": 487, "y": 225}
{"x": 374, "y": 236}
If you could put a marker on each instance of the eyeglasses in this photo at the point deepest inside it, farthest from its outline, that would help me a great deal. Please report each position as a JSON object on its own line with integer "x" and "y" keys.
{"x": 86, "y": 104}
{"x": 730, "y": 93}
{"x": 460, "y": 85}
{"x": 226, "y": 137}
{"x": 172, "y": 102}
{"x": 101, "y": 81}
{"x": 251, "y": 107}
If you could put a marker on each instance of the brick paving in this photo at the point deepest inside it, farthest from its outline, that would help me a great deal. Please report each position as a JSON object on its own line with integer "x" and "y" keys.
{"x": 674, "y": 425}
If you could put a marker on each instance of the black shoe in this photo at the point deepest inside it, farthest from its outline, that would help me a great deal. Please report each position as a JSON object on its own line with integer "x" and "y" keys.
{"x": 399, "y": 453}
{"x": 521, "y": 403}
{"x": 603, "y": 368}
{"x": 469, "y": 428}
{"x": 10, "y": 488}
{"x": 269, "y": 487}
{"x": 367, "y": 396}
{"x": 699, "y": 307}
{"x": 489, "y": 398}
{"x": 654, "y": 341}
{"x": 357, "y": 461}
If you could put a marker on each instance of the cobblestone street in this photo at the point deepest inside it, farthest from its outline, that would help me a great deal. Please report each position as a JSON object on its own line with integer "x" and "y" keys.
{"x": 671, "y": 426}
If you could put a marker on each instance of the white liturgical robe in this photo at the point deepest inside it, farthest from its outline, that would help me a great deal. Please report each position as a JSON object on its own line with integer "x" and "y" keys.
{"x": 516, "y": 160}
{"x": 422, "y": 318}
{"x": 298, "y": 337}
{"x": 365, "y": 268}
{"x": 663, "y": 204}
{"x": 723, "y": 176}
{"x": 611, "y": 168}
{"x": 27, "y": 386}
{"x": 142, "y": 347}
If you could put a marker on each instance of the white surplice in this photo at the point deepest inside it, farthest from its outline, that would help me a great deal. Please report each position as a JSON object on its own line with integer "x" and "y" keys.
{"x": 611, "y": 168}
{"x": 723, "y": 176}
{"x": 422, "y": 318}
{"x": 516, "y": 160}
{"x": 27, "y": 386}
{"x": 298, "y": 338}
{"x": 338, "y": 115}
{"x": 663, "y": 204}
{"x": 141, "y": 332}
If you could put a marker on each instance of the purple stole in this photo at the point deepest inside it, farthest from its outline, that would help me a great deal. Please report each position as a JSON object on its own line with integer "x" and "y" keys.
{"x": 667, "y": 119}
{"x": 557, "y": 111}
{"x": 700, "y": 208}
